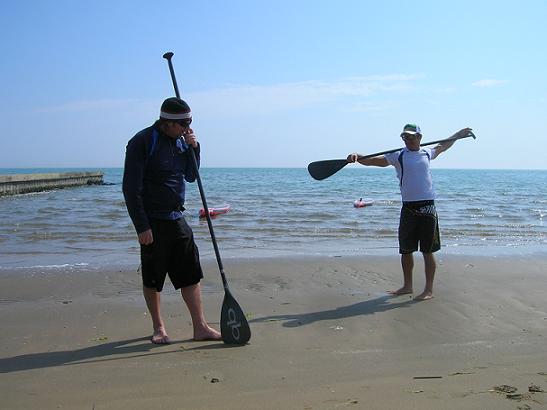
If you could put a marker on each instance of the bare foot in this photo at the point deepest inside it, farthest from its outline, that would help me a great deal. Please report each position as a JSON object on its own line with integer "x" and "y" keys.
{"x": 208, "y": 333}
{"x": 160, "y": 337}
{"x": 426, "y": 295}
{"x": 402, "y": 291}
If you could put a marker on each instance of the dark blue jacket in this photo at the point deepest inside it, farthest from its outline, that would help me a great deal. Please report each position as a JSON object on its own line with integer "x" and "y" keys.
{"x": 156, "y": 167}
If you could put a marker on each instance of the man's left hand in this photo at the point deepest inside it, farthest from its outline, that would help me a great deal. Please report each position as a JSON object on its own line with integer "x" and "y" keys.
{"x": 461, "y": 133}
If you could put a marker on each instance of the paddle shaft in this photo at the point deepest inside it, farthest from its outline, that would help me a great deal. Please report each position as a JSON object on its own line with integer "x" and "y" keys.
{"x": 168, "y": 56}
{"x": 320, "y": 170}
{"x": 422, "y": 145}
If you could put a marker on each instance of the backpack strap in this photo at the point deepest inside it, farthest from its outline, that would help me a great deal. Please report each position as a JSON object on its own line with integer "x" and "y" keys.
{"x": 150, "y": 145}
{"x": 153, "y": 142}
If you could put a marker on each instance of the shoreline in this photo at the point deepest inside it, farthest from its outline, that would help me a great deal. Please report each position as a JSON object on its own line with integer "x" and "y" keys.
{"x": 131, "y": 260}
{"x": 324, "y": 335}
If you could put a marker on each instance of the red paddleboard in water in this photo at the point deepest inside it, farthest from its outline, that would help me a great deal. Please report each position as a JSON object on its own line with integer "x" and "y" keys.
{"x": 214, "y": 211}
{"x": 360, "y": 203}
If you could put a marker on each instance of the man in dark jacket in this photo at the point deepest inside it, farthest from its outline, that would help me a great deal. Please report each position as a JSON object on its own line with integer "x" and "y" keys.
{"x": 157, "y": 164}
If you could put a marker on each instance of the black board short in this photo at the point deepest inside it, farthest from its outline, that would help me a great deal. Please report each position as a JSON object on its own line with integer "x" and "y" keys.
{"x": 419, "y": 225}
{"x": 172, "y": 253}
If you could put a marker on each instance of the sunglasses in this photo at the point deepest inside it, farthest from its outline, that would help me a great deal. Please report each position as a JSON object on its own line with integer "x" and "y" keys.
{"x": 410, "y": 136}
{"x": 184, "y": 123}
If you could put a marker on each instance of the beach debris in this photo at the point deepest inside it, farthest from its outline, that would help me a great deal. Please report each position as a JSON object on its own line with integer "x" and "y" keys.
{"x": 66, "y": 302}
{"x": 524, "y": 407}
{"x": 337, "y": 327}
{"x": 215, "y": 380}
{"x": 511, "y": 392}
{"x": 461, "y": 373}
{"x": 534, "y": 388}
{"x": 427, "y": 377}
{"x": 504, "y": 388}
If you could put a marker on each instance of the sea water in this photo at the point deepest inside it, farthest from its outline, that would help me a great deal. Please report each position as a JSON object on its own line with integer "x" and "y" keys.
{"x": 277, "y": 212}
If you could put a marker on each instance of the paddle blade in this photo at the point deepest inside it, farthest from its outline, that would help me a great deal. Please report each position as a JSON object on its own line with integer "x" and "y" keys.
{"x": 234, "y": 327}
{"x": 323, "y": 169}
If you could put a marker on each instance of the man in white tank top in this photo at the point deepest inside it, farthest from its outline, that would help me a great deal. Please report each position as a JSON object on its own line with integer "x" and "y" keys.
{"x": 418, "y": 223}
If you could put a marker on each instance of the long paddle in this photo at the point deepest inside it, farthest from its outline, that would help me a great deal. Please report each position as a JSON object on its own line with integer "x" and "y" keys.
{"x": 323, "y": 169}
{"x": 234, "y": 327}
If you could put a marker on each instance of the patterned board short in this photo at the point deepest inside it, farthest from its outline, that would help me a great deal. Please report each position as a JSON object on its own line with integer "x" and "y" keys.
{"x": 419, "y": 227}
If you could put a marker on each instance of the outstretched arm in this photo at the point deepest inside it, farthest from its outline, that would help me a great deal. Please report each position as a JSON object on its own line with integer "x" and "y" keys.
{"x": 379, "y": 161}
{"x": 443, "y": 146}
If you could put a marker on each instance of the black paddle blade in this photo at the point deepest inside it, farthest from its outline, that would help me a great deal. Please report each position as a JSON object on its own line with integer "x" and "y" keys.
{"x": 234, "y": 327}
{"x": 323, "y": 169}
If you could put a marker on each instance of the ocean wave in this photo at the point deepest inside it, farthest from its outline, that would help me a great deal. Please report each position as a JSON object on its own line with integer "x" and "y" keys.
{"x": 280, "y": 208}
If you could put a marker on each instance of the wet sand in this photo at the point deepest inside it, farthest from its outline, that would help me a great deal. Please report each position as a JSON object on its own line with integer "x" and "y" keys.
{"x": 325, "y": 335}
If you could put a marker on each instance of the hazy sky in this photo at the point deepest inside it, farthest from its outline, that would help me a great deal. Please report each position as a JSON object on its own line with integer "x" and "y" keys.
{"x": 274, "y": 83}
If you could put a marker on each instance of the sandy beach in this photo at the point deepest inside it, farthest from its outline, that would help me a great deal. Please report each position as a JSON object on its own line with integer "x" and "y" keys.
{"x": 325, "y": 335}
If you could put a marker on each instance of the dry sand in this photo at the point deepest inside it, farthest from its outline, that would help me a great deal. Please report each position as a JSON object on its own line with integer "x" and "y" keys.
{"x": 325, "y": 335}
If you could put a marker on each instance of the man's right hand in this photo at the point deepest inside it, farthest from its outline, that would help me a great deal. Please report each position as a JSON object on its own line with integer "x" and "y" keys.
{"x": 352, "y": 158}
{"x": 146, "y": 237}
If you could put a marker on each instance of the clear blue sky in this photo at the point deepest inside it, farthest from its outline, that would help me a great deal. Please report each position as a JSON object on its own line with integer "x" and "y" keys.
{"x": 277, "y": 83}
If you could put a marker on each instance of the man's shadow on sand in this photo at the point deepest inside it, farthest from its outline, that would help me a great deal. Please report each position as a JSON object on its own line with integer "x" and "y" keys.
{"x": 141, "y": 347}
{"x": 367, "y": 307}
{"x": 137, "y": 347}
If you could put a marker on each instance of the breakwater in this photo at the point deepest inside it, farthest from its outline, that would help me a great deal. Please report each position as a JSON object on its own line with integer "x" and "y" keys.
{"x": 24, "y": 183}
